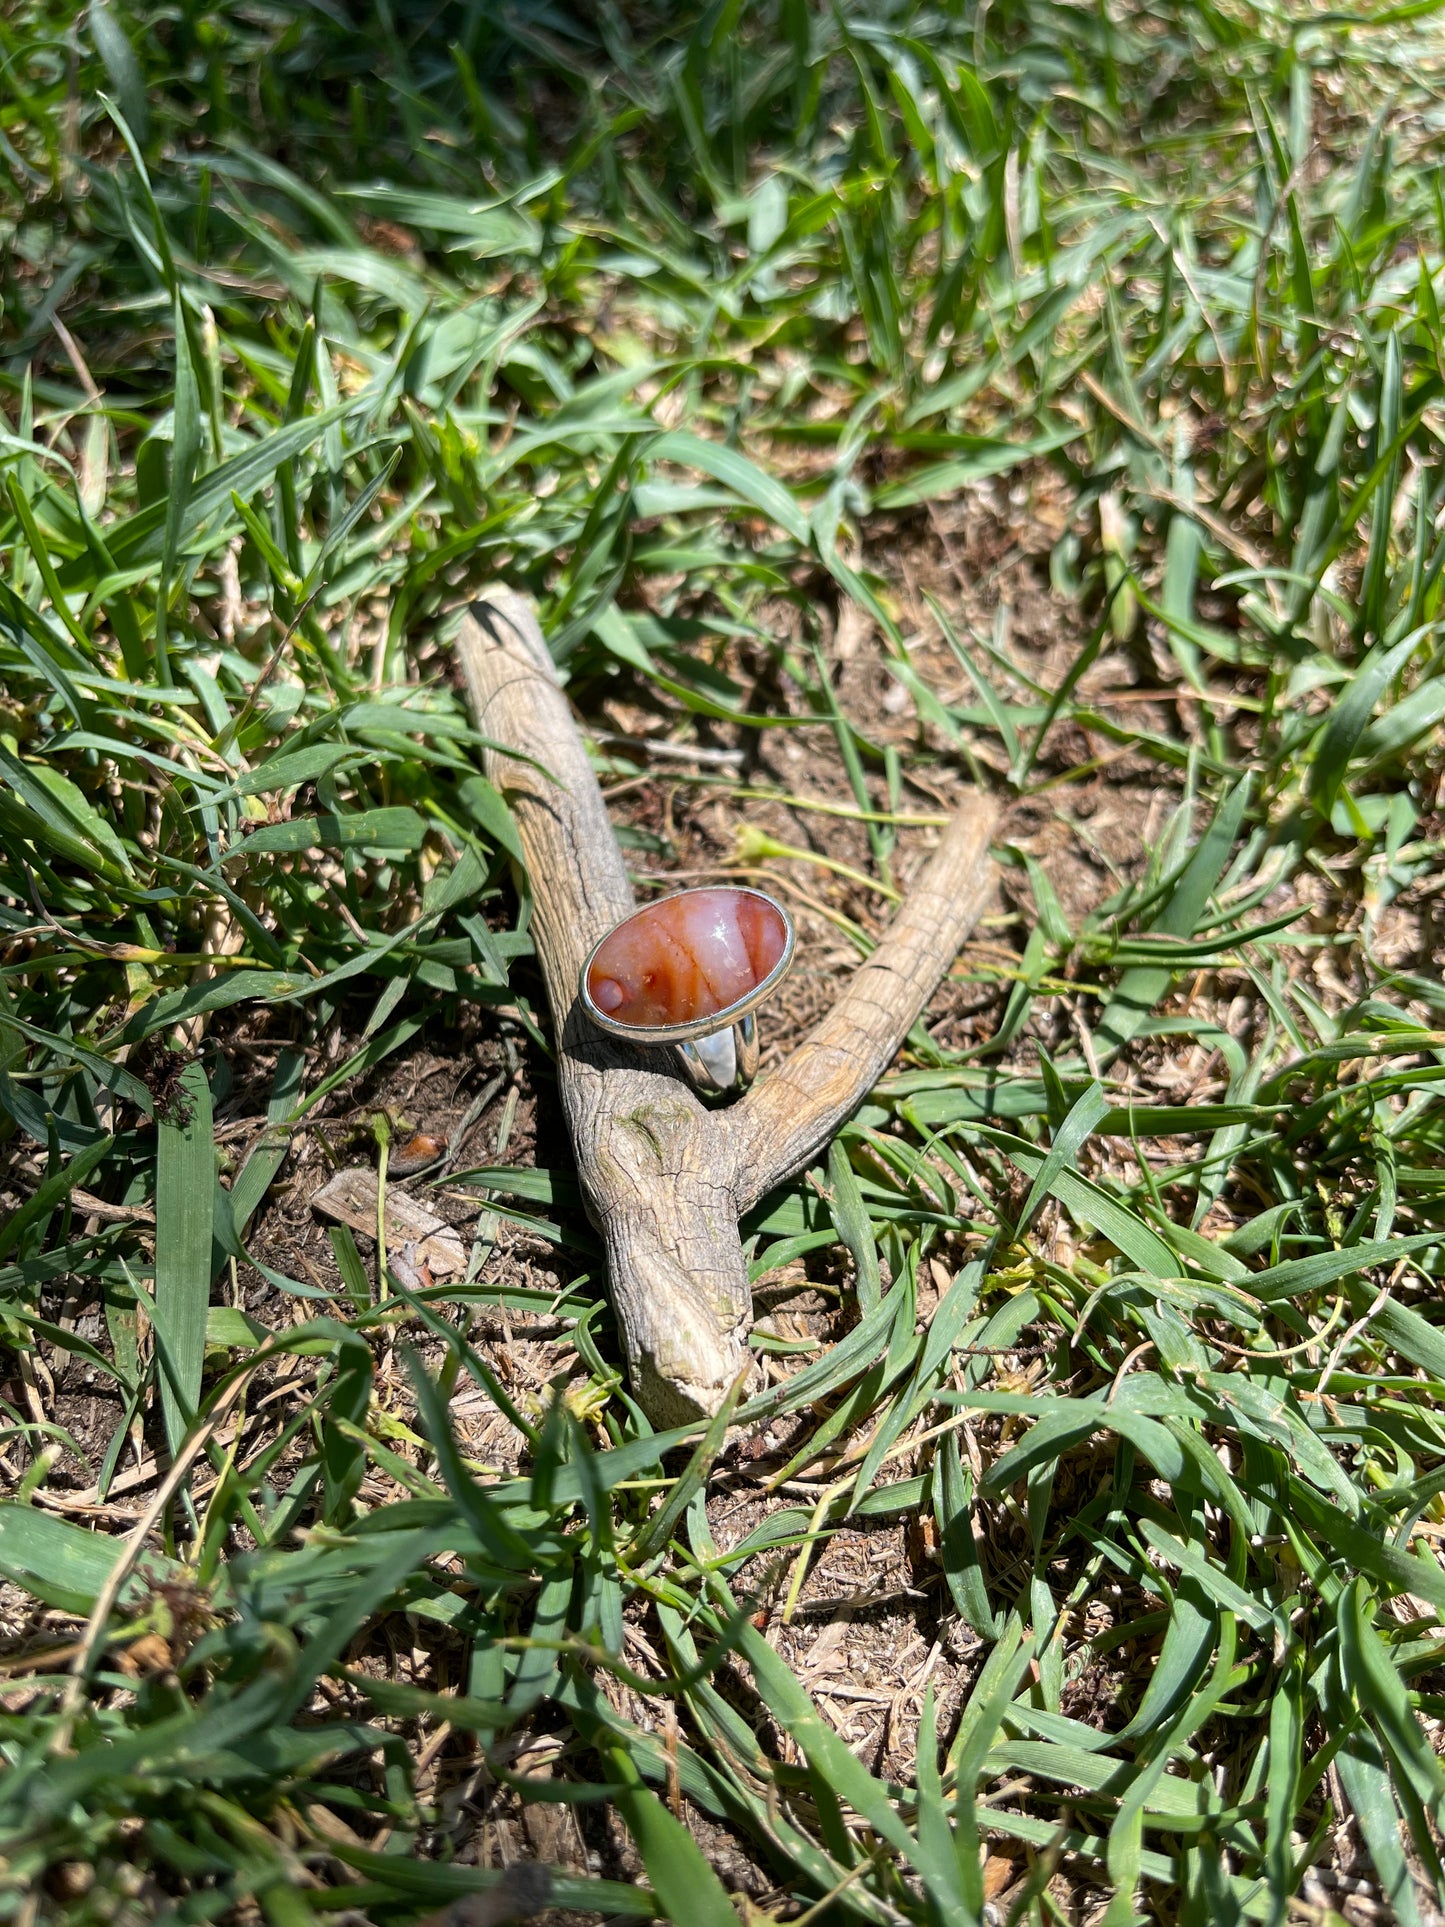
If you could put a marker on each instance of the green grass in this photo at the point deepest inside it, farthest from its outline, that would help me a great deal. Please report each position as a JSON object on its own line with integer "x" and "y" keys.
{"x": 671, "y": 316}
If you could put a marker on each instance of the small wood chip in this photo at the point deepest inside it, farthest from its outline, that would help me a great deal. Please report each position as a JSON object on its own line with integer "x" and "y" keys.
{"x": 115, "y": 1213}
{"x": 415, "y": 1236}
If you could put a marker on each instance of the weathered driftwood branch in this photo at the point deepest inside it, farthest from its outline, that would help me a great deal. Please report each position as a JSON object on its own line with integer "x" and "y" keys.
{"x": 665, "y": 1178}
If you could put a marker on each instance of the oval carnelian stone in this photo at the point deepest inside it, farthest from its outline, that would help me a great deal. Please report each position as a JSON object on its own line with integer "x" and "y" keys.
{"x": 690, "y": 956}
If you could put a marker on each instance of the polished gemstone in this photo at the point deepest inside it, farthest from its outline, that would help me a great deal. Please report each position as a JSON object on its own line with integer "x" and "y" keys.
{"x": 691, "y": 956}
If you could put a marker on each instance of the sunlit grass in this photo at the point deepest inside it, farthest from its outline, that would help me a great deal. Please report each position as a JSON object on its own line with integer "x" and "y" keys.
{"x": 311, "y": 327}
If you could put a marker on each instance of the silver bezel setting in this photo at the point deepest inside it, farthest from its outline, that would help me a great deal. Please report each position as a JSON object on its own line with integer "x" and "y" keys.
{"x": 661, "y": 1034}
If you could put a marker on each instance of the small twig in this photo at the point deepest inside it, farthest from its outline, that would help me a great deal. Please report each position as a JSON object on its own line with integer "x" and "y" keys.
{"x": 113, "y": 1213}
{"x": 675, "y": 752}
{"x": 25, "y": 1362}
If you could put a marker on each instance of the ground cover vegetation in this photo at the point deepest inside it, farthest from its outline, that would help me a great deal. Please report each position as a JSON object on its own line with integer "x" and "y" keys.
{"x": 875, "y": 400}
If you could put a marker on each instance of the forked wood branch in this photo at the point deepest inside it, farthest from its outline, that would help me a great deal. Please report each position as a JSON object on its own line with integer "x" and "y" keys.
{"x": 664, "y": 1177}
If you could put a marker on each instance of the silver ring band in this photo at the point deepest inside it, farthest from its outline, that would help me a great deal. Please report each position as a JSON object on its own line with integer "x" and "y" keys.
{"x": 725, "y": 1061}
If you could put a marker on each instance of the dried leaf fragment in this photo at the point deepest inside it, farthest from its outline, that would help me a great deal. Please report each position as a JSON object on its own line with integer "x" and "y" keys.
{"x": 415, "y": 1237}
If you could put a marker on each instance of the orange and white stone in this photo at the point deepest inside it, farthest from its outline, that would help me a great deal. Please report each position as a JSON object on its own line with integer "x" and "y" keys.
{"x": 691, "y": 956}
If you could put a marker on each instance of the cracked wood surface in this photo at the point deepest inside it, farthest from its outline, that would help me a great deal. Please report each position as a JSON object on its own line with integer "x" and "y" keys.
{"x": 665, "y": 1178}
